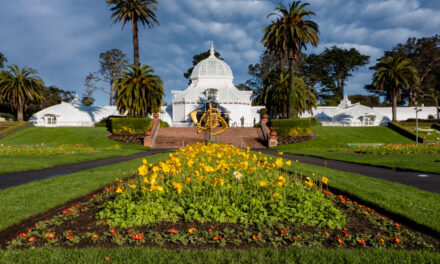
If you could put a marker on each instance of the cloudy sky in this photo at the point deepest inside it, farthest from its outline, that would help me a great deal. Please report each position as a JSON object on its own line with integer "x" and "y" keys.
{"x": 62, "y": 39}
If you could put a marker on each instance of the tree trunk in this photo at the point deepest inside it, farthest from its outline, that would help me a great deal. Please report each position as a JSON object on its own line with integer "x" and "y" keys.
{"x": 111, "y": 91}
{"x": 135, "y": 42}
{"x": 282, "y": 61}
{"x": 292, "y": 100}
{"x": 20, "y": 111}
{"x": 394, "y": 106}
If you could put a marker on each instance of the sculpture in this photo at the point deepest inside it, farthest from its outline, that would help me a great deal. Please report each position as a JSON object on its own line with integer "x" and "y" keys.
{"x": 210, "y": 120}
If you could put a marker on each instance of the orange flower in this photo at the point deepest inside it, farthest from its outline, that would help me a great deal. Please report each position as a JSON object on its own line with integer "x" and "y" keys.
{"x": 339, "y": 240}
{"x": 381, "y": 240}
{"x": 326, "y": 234}
{"x": 283, "y": 231}
{"x": 68, "y": 231}
{"x": 130, "y": 231}
{"x": 361, "y": 241}
{"x": 22, "y": 235}
{"x": 191, "y": 230}
{"x": 296, "y": 238}
{"x": 31, "y": 239}
{"x": 95, "y": 236}
{"x": 188, "y": 179}
{"x": 49, "y": 235}
{"x": 69, "y": 237}
{"x": 256, "y": 237}
{"x": 112, "y": 231}
{"x": 137, "y": 237}
{"x": 217, "y": 237}
{"x": 397, "y": 240}
{"x": 172, "y": 231}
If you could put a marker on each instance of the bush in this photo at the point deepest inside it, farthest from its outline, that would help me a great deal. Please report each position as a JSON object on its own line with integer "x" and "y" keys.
{"x": 119, "y": 125}
{"x": 404, "y": 131}
{"x": 163, "y": 124}
{"x": 102, "y": 123}
{"x": 257, "y": 125}
{"x": 7, "y": 116}
{"x": 262, "y": 111}
{"x": 291, "y": 127}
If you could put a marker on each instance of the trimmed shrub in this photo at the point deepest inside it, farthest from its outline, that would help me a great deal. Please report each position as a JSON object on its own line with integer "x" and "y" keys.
{"x": 436, "y": 126}
{"x": 404, "y": 131}
{"x": 127, "y": 125}
{"x": 291, "y": 127}
{"x": 102, "y": 123}
{"x": 315, "y": 121}
{"x": 163, "y": 124}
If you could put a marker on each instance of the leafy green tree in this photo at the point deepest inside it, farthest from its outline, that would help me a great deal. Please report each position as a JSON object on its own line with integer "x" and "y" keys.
{"x": 134, "y": 11}
{"x": 111, "y": 64}
{"x": 198, "y": 58}
{"x": 393, "y": 75}
{"x": 20, "y": 87}
{"x": 138, "y": 91}
{"x": 2, "y": 60}
{"x": 368, "y": 100}
{"x": 425, "y": 55}
{"x": 288, "y": 35}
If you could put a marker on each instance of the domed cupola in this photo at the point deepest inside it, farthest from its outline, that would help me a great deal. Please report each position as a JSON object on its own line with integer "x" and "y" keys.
{"x": 211, "y": 68}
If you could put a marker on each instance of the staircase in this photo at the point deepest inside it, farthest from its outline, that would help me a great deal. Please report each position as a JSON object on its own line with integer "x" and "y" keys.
{"x": 175, "y": 137}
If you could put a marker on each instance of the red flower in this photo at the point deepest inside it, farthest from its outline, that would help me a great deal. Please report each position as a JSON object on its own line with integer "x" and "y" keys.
{"x": 94, "y": 196}
{"x": 172, "y": 231}
{"x": 112, "y": 231}
{"x": 397, "y": 240}
{"x": 130, "y": 231}
{"x": 283, "y": 231}
{"x": 22, "y": 235}
{"x": 13, "y": 239}
{"x": 345, "y": 233}
{"x": 64, "y": 211}
{"x": 361, "y": 241}
{"x": 339, "y": 240}
{"x": 209, "y": 230}
{"x": 380, "y": 240}
{"x": 296, "y": 238}
{"x": 69, "y": 237}
{"x": 31, "y": 239}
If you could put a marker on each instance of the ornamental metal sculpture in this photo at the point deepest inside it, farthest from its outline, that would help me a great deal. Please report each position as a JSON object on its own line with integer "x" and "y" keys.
{"x": 210, "y": 120}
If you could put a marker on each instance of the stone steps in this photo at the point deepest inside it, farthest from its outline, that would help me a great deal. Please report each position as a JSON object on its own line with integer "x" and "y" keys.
{"x": 175, "y": 137}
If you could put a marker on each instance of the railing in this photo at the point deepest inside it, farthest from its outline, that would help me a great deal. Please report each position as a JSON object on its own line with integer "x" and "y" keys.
{"x": 155, "y": 132}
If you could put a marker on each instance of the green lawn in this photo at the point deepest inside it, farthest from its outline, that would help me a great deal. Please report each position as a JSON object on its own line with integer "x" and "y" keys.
{"x": 262, "y": 255}
{"x": 92, "y": 136}
{"x": 23, "y": 201}
{"x": 329, "y": 137}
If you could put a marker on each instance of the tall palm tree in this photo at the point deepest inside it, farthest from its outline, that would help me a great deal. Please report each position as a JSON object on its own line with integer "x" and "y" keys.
{"x": 20, "y": 87}
{"x": 393, "y": 74}
{"x": 138, "y": 91}
{"x": 143, "y": 11}
{"x": 289, "y": 34}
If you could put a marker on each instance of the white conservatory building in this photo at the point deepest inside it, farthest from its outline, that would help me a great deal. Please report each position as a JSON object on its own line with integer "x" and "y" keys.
{"x": 211, "y": 81}
{"x": 73, "y": 114}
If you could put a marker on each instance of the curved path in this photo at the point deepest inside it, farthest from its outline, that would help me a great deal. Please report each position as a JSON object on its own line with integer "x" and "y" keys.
{"x": 17, "y": 178}
{"x": 422, "y": 180}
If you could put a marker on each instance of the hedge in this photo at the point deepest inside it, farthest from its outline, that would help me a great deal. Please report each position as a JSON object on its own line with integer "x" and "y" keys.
{"x": 120, "y": 125}
{"x": 404, "y": 131}
{"x": 163, "y": 124}
{"x": 436, "y": 126}
{"x": 291, "y": 127}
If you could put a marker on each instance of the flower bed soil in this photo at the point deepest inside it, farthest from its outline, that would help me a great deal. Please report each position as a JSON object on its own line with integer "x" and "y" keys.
{"x": 73, "y": 225}
{"x": 128, "y": 138}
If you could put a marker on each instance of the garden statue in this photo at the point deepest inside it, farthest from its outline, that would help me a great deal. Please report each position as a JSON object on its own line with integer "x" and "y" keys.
{"x": 210, "y": 120}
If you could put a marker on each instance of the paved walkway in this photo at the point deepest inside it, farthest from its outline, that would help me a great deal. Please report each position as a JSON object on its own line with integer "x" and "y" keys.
{"x": 422, "y": 180}
{"x": 14, "y": 179}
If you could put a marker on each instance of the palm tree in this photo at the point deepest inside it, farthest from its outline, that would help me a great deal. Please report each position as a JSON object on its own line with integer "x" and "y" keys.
{"x": 288, "y": 35}
{"x": 393, "y": 74}
{"x": 138, "y": 92}
{"x": 20, "y": 87}
{"x": 143, "y": 11}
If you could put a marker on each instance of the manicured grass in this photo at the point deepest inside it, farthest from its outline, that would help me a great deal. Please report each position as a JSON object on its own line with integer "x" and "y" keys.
{"x": 330, "y": 137}
{"x": 422, "y": 207}
{"x": 93, "y": 136}
{"x": 262, "y": 255}
{"x": 23, "y": 201}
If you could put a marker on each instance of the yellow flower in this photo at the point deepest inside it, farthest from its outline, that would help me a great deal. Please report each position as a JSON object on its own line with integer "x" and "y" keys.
{"x": 190, "y": 163}
{"x": 191, "y": 230}
{"x": 263, "y": 183}
{"x": 165, "y": 167}
{"x": 144, "y": 161}
{"x": 156, "y": 169}
{"x": 308, "y": 182}
{"x": 279, "y": 162}
{"x": 280, "y": 153}
{"x": 275, "y": 195}
{"x": 132, "y": 186}
{"x": 324, "y": 180}
{"x": 289, "y": 162}
{"x": 281, "y": 180}
{"x": 143, "y": 170}
{"x": 159, "y": 188}
{"x": 120, "y": 189}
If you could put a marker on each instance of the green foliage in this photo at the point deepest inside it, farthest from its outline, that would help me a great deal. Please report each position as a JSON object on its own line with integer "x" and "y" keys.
{"x": 163, "y": 124}
{"x": 291, "y": 127}
{"x": 2, "y": 60}
{"x": 138, "y": 91}
{"x": 120, "y": 125}
{"x": 20, "y": 87}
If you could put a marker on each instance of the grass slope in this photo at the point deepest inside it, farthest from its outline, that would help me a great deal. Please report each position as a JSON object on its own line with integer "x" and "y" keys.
{"x": 92, "y": 136}
{"x": 262, "y": 255}
{"x": 23, "y": 201}
{"x": 328, "y": 137}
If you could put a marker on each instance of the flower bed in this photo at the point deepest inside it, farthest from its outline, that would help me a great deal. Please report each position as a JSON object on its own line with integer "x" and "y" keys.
{"x": 428, "y": 148}
{"x": 218, "y": 196}
{"x": 44, "y": 150}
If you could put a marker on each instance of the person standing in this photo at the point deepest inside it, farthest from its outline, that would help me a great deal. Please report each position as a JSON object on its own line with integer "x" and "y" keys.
{"x": 242, "y": 121}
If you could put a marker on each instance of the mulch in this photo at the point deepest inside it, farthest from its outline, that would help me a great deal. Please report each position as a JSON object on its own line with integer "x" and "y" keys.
{"x": 128, "y": 138}
{"x": 291, "y": 140}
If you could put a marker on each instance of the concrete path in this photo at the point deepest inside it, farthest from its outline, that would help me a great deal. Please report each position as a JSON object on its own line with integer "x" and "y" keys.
{"x": 14, "y": 179}
{"x": 422, "y": 180}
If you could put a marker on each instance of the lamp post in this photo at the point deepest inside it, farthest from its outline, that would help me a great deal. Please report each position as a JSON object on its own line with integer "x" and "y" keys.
{"x": 417, "y": 123}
